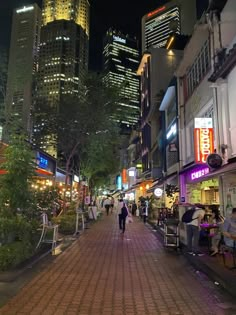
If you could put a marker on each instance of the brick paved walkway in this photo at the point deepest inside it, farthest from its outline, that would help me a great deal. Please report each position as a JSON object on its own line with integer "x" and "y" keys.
{"x": 105, "y": 274}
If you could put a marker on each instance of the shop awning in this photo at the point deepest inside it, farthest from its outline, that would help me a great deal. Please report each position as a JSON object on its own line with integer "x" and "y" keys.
{"x": 227, "y": 168}
{"x": 190, "y": 167}
{"x": 160, "y": 182}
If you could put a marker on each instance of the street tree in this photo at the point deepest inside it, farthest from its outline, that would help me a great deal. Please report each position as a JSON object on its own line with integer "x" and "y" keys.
{"x": 81, "y": 123}
{"x": 18, "y": 168}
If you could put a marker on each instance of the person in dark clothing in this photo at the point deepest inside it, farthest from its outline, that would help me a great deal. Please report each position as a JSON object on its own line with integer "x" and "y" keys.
{"x": 133, "y": 208}
{"x": 122, "y": 217}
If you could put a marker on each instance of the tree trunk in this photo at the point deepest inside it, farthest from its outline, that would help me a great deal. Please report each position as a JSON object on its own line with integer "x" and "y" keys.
{"x": 68, "y": 170}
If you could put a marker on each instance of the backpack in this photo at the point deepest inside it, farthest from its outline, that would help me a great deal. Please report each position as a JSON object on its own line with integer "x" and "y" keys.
{"x": 188, "y": 216}
{"x": 124, "y": 211}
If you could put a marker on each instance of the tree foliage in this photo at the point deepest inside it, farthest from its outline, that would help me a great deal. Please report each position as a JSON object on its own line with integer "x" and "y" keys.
{"x": 15, "y": 184}
{"x": 83, "y": 128}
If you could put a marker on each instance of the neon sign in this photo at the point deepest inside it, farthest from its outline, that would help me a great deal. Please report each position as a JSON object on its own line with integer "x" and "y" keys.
{"x": 43, "y": 163}
{"x": 156, "y": 11}
{"x": 203, "y": 144}
{"x": 199, "y": 173}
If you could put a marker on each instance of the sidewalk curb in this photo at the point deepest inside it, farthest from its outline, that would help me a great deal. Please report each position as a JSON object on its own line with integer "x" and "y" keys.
{"x": 225, "y": 278}
{"x": 12, "y": 275}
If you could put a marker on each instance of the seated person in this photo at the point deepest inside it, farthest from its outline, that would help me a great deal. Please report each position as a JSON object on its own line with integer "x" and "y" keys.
{"x": 229, "y": 229}
{"x": 216, "y": 218}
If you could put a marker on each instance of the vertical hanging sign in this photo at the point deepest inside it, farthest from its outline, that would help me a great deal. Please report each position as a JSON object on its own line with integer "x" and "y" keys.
{"x": 203, "y": 139}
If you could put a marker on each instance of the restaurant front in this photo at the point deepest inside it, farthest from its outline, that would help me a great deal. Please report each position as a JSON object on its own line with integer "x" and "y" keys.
{"x": 198, "y": 188}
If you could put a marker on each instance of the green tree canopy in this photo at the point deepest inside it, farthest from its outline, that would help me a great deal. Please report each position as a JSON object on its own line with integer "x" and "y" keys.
{"x": 82, "y": 126}
{"x": 20, "y": 168}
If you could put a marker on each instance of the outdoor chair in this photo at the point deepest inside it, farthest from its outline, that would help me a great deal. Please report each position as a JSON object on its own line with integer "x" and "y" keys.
{"x": 224, "y": 249}
{"x": 45, "y": 228}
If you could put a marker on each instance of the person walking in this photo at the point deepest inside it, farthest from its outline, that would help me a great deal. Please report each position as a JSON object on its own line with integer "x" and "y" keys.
{"x": 106, "y": 204}
{"x": 122, "y": 215}
{"x": 134, "y": 208}
{"x": 145, "y": 212}
{"x": 112, "y": 204}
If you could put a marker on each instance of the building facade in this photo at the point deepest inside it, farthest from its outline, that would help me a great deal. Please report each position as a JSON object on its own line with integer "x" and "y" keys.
{"x": 120, "y": 62}
{"x": 174, "y": 17}
{"x": 23, "y": 58}
{"x": 63, "y": 57}
{"x": 156, "y": 70}
{"x": 196, "y": 118}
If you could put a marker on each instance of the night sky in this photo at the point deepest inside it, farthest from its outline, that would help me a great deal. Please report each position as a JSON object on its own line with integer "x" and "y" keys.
{"x": 124, "y": 15}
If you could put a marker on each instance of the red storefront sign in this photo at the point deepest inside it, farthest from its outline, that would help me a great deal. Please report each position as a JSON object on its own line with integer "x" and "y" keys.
{"x": 124, "y": 176}
{"x": 203, "y": 143}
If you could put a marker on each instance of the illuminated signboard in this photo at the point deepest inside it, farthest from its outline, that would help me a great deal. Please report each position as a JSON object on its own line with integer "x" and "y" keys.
{"x": 158, "y": 192}
{"x": 172, "y": 131}
{"x": 203, "y": 144}
{"x": 156, "y": 11}
{"x": 119, "y": 182}
{"x": 76, "y": 178}
{"x": 25, "y": 9}
{"x": 119, "y": 39}
{"x": 203, "y": 123}
{"x": 124, "y": 176}
{"x": 43, "y": 162}
{"x": 199, "y": 173}
{"x": 131, "y": 173}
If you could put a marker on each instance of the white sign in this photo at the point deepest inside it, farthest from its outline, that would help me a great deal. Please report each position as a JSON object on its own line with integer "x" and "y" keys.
{"x": 203, "y": 123}
{"x": 172, "y": 131}
{"x": 158, "y": 192}
{"x": 131, "y": 173}
{"x": 76, "y": 178}
{"x": 119, "y": 39}
{"x": 25, "y": 9}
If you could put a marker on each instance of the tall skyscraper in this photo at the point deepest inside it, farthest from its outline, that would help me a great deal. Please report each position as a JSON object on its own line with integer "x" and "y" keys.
{"x": 22, "y": 66}
{"x": 120, "y": 62}
{"x": 176, "y": 16}
{"x": 63, "y": 55}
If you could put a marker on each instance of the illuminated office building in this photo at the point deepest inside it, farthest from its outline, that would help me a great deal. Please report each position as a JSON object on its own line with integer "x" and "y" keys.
{"x": 75, "y": 10}
{"x": 23, "y": 56}
{"x": 63, "y": 54}
{"x": 63, "y": 57}
{"x": 176, "y": 16}
{"x": 120, "y": 62}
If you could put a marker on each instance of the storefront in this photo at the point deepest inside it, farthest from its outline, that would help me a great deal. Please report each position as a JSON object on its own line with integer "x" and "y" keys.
{"x": 166, "y": 197}
{"x": 198, "y": 188}
{"x": 226, "y": 176}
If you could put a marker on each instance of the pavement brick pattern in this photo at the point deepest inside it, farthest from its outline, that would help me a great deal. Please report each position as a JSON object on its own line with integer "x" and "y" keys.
{"x": 103, "y": 273}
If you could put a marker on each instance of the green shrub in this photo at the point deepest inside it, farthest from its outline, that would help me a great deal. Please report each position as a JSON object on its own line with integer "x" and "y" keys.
{"x": 17, "y": 229}
{"x": 13, "y": 254}
{"x": 66, "y": 223}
